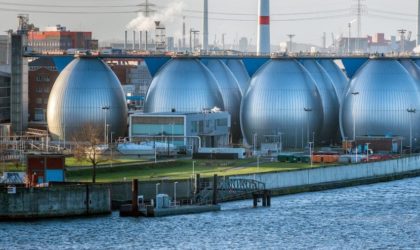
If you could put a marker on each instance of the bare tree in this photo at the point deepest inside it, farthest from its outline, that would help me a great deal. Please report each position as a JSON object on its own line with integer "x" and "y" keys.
{"x": 89, "y": 146}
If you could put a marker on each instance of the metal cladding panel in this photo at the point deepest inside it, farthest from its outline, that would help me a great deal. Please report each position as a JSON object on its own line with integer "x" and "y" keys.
{"x": 231, "y": 94}
{"x": 352, "y": 65}
{"x": 329, "y": 100}
{"x": 412, "y": 67}
{"x": 276, "y": 101}
{"x": 183, "y": 84}
{"x": 337, "y": 76}
{"x": 239, "y": 71}
{"x": 377, "y": 102}
{"x": 78, "y": 95}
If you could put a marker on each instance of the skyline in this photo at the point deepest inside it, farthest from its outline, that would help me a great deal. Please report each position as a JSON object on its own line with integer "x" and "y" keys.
{"x": 307, "y": 19}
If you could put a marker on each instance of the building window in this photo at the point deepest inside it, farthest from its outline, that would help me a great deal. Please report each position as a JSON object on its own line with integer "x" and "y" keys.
{"x": 194, "y": 127}
{"x": 222, "y": 122}
{"x": 38, "y": 90}
{"x": 42, "y": 78}
{"x": 45, "y": 100}
{"x": 38, "y": 100}
{"x": 39, "y": 115}
{"x": 46, "y": 90}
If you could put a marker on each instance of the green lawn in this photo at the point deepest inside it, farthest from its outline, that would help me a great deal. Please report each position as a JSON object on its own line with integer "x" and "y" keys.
{"x": 181, "y": 169}
{"x": 73, "y": 162}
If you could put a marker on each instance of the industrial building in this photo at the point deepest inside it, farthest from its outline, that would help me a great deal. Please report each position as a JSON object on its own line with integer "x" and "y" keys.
{"x": 212, "y": 127}
{"x": 4, "y": 97}
{"x": 59, "y": 39}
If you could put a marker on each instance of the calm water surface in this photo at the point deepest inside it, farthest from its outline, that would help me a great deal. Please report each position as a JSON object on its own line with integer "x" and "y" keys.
{"x": 379, "y": 216}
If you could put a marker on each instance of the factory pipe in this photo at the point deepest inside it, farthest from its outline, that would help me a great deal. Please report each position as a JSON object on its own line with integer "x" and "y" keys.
{"x": 418, "y": 23}
{"x": 263, "y": 43}
{"x": 125, "y": 40}
{"x": 205, "y": 26}
{"x": 134, "y": 39}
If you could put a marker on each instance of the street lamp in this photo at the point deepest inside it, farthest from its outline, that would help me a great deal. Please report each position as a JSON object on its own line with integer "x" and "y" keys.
{"x": 310, "y": 151}
{"x": 112, "y": 132}
{"x": 175, "y": 192}
{"x": 255, "y": 142}
{"x": 411, "y": 111}
{"x": 105, "y": 109}
{"x": 307, "y": 122}
{"x": 354, "y": 122}
{"x": 193, "y": 165}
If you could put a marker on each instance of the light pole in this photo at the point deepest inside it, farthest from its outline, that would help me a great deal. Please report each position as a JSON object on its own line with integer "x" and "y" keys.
{"x": 175, "y": 192}
{"x": 355, "y": 93}
{"x": 193, "y": 165}
{"x": 105, "y": 109}
{"x": 112, "y": 143}
{"x": 255, "y": 142}
{"x": 310, "y": 152}
{"x": 307, "y": 110}
{"x": 367, "y": 151}
{"x": 411, "y": 111}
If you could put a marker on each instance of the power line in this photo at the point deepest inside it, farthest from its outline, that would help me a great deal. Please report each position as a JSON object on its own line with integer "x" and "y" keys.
{"x": 392, "y": 12}
{"x": 66, "y": 6}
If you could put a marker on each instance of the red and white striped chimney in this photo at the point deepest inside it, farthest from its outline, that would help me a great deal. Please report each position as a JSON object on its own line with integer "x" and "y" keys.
{"x": 263, "y": 40}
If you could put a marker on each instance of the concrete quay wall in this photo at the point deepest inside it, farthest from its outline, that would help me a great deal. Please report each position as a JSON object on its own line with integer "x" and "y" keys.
{"x": 56, "y": 201}
{"x": 352, "y": 174}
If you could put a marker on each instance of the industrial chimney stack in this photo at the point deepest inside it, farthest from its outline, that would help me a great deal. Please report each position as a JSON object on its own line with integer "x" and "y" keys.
{"x": 263, "y": 40}
{"x": 418, "y": 24}
{"x": 205, "y": 26}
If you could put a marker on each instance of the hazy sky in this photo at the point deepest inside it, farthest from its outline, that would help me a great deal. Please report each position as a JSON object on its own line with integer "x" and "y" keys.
{"x": 307, "y": 19}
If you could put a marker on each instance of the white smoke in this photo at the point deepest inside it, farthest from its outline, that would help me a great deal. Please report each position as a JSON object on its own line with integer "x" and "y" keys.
{"x": 164, "y": 15}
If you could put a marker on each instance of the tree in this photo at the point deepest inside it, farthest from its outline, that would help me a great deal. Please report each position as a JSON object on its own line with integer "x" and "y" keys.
{"x": 89, "y": 146}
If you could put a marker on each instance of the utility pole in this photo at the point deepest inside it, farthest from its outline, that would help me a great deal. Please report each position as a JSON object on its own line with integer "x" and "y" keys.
{"x": 402, "y": 39}
{"x": 290, "y": 41}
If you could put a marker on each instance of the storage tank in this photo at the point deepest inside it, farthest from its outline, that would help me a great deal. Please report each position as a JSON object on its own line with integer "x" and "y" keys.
{"x": 330, "y": 127}
{"x": 382, "y": 100}
{"x": 183, "y": 85}
{"x": 339, "y": 79}
{"x": 231, "y": 94}
{"x": 282, "y": 100}
{"x": 86, "y": 92}
{"x": 239, "y": 71}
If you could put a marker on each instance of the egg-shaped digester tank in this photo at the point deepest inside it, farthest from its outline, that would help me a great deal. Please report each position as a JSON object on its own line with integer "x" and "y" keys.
{"x": 87, "y": 92}
{"x": 281, "y": 102}
{"x": 183, "y": 85}
{"x": 330, "y": 127}
{"x": 241, "y": 74}
{"x": 382, "y": 100}
{"x": 230, "y": 92}
{"x": 339, "y": 79}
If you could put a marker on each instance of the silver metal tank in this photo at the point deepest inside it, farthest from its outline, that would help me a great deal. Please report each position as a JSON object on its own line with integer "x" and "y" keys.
{"x": 339, "y": 79}
{"x": 80, "y": 96}
{"x": 231, "y": 94}
{"x": 239, "y": 71}
{"x": 382, "y": 100}
{"x": 330, "y": 127}
{"x": 282, "y": 101}
{"x": 183, "y": 85}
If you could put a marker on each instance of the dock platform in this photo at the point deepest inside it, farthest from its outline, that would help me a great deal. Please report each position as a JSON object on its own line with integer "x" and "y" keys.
{"x": 149, "y": 211}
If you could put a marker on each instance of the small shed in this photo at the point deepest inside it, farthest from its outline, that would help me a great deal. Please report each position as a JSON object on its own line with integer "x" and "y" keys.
{"x": 43, "y": 168}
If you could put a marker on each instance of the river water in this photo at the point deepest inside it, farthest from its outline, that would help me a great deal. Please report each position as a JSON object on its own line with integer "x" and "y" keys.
{"x": 378, "y": 216}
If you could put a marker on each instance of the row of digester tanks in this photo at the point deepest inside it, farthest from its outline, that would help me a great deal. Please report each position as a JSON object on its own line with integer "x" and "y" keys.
{"x": 294, "y": 99}
{"x": 299, "y": 100}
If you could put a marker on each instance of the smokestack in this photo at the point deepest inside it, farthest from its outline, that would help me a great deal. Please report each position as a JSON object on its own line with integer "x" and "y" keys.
{"x": 134, "y": 39}
{"x": 140, "y": 40}
{"x": 183, "y": 32}
{"x": 418, "y": 24}
{"x": 263, "y": 40}
{"x": 205, "y": 26}
{"x": 125, "y": 40}
{"x": 146, "y": 41}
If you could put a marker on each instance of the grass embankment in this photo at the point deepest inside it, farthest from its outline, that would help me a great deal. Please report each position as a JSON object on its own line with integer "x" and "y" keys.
{"x": 181, "y": 169}
{"x": 73, "y": 162}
